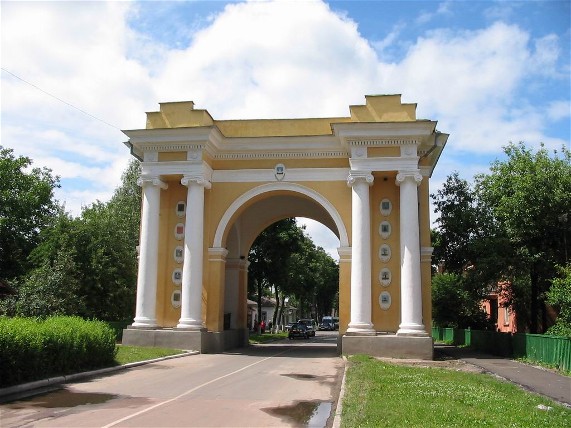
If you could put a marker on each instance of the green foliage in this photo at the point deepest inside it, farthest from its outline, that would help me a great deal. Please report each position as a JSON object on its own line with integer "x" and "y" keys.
{"x": 26, "y": 206}
{"x": 454, "y": 306}
{"x": 458, "y": 224}
{"x": 86, "y": 265}
{"x": 32, "y": 349}
{"x": 434, "y": 397}
{"x": 52, "y": 289}
{"x": 285, "y": 260}
{"x": 512, "y": 227}
{"x": 559, "y": 295}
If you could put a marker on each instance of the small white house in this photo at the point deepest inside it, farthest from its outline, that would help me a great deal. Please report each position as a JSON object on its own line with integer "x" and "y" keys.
{"x": 289, "y": 313}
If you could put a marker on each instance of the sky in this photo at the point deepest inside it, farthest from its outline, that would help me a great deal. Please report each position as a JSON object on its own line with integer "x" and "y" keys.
{"x": 75, "y": 73}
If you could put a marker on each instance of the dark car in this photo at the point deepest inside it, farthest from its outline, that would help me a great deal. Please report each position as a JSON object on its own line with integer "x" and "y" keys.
{"x": 326, "y": 325}
{"x": 298, "y": 330}
{"x": 309, "y": 324}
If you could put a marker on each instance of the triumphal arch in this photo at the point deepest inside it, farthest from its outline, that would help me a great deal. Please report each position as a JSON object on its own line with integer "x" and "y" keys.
{"x": 210, "y": 187}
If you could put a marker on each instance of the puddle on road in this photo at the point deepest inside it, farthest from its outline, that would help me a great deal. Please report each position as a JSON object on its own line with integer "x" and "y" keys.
{"x": 312, "y": 414}
{"x": 61, "y": 398}
{"x": 301, "y": 376}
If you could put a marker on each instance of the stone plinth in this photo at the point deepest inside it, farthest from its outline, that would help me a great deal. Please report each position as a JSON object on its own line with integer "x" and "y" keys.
{"x": 389, "y": 346}
{"x": 192, "y": 340}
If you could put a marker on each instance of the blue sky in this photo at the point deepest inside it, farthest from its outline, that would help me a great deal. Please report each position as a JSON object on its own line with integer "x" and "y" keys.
{"x": 489, "y": 72}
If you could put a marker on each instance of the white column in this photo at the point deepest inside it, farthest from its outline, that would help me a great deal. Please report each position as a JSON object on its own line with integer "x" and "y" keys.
{"x": 411, "y": 289}
{"x": 360, "y": 323}
{"x": 191, "y": 294}
{"x": 145, "y": 312}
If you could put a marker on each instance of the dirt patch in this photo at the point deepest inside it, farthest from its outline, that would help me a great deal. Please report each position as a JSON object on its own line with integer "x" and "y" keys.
{"x": 441, "y": 360}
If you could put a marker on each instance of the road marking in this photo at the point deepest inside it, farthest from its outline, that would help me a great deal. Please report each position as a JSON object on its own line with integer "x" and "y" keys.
{"x": 190, "y": 391}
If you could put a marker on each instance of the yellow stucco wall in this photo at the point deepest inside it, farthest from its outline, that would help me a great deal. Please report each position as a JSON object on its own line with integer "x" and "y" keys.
{"x": 222, "y": 195}
{"x": 384, "y": 187}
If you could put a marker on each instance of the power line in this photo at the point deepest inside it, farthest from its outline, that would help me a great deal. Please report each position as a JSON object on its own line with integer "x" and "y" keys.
{"x": 59, "y": 99}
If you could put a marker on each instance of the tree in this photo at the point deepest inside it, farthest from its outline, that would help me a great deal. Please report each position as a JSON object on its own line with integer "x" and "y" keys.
{"x": 457, "y": 224}
{"x": 528, "y": 196}
{"x": 101, "y": 244}
{"x": 285, "y": 261}
{"x": 559, "y": 295}
{"x": 27, "y": 206}
{"x": 454, "y": 306}
{"x": 269, "y": 257}
{"x": 51, "y": 289}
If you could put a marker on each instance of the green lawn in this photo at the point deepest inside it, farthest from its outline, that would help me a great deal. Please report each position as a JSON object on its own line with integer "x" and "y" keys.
{"x": 133, "y": 354}
{"x": 266, "y": 337}
{"x": 382, "y": 394}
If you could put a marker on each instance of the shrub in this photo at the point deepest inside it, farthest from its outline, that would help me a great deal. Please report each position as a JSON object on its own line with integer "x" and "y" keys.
{"x": 33, "y": 349}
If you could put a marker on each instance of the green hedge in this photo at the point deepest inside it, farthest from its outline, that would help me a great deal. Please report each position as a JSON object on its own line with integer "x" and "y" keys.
{"x": 33, "y": 349}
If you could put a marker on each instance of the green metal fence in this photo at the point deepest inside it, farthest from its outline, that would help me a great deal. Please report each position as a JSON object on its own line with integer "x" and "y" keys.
{"x": 553, "y": 350}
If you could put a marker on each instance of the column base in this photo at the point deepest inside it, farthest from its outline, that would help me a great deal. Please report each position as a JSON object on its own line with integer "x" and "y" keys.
{"x": 414, "y": 330}
{"x": 143, "y": 322}
{"x": 190, "y": 324}
{"x": 360, "y": 329}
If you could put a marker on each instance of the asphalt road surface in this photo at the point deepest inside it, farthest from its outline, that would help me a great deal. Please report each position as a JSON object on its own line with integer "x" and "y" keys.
{"x": 288, "y": 383}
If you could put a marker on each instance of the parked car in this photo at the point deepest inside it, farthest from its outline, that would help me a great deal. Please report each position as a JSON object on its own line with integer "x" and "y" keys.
{"x": 298, "y": 330}
{"x": 310, "y": 324}
{"x": 327, "y": 323}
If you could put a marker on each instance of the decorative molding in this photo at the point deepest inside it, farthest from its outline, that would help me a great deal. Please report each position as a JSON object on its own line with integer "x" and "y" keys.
{"x": 154, "y": 181}
{"x": 176, "y": 168}
{"x": 217, "y": 254}
{"x": 383, "y": 164}
{"x": 378, "y": 142}
{"x": 426, "y": 254}
{"x": 281, "y": 186}
{"x": 200, "y": 180}
{"x": 344, "y": 254}
{"x": 151, "y": 156}
{"x": 403, "y": 175}
{"x": 360, "y": 176}
{"x": 281, "y": 155}
{"x": 266, "y": 175}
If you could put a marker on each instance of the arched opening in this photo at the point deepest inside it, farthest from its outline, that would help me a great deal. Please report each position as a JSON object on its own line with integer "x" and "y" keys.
{"x": 246, "y": 219}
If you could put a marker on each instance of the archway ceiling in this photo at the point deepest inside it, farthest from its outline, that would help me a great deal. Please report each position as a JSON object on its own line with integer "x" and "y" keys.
{"x": 261, "y": 214}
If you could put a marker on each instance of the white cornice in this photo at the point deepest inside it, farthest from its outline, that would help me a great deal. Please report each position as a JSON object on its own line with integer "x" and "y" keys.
{"x": 382, "y": 130}
{"x": 268, "y": 175}
{"x": 176, "y": 168}
{"x": 384, "y": 164}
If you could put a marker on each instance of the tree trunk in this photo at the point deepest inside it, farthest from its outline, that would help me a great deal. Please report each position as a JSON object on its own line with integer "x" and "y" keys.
{"x": 275, "y": 318}
{"x": 259, "y": 287}
{"x": 534, "y": 306}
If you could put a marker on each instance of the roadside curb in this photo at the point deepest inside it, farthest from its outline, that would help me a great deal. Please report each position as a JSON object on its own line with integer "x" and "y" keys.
{"x": 339, "y": 407}
{"x": 31, "y": 388}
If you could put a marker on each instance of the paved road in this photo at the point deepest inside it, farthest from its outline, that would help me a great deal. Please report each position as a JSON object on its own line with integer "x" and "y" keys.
{"x": 535, "y": 379}
{"x": 290, "y": 383}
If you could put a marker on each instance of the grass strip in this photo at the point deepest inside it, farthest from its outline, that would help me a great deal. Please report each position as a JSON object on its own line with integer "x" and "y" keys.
{"x": 133, "y": 354}
{"x": 383, "y": 394}
{"x": 256, "y": 338}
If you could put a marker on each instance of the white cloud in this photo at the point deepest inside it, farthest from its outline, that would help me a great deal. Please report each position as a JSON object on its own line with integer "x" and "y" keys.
{"x": 254, "y": 59}
{"x": 558, "y": 110}
{"x": 272, "y": 59}
{"x": 442, "y": 9}
{"x": 321, "y": 236}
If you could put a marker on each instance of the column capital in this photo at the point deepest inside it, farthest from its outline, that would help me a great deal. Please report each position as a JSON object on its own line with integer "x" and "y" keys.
{"x": 413, "y": 174}
{"x": 216, "y": 254}
{"x": 360, "y": 176}
{"x": 187, "y": 180}
{"x": 153, "y": 181}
